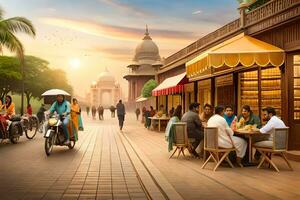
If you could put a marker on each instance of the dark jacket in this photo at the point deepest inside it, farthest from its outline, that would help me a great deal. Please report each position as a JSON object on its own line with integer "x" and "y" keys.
{"x": 194, "y": 126}
{"x": 120, "y": 109}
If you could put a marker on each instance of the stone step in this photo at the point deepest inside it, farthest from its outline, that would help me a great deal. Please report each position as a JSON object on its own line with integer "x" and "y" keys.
{"x": 293, "y": 155}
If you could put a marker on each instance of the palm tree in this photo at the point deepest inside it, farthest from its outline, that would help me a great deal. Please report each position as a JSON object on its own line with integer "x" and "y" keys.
{"x": 8, "y": 28}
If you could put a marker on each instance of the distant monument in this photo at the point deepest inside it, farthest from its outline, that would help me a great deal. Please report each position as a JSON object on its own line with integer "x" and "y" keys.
{"x": 144, "y": 66}
{"x": 105, "y": 91}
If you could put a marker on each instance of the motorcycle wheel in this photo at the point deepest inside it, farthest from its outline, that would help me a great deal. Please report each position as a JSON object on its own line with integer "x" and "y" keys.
{"x": 15, "y": 134}
{"x": 72, "y": 144}
{"x": 48, "y": 145}
{"x": 32, "y": 128}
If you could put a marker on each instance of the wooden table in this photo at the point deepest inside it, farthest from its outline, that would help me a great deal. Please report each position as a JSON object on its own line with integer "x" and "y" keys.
{"x": 159, "y": 119}
{"x": 250, "y": 134}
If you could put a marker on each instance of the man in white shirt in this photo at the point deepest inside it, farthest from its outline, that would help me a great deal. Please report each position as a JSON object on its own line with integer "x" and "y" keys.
{"x": 225, "y": 134}
{"x": 266, "y": 138}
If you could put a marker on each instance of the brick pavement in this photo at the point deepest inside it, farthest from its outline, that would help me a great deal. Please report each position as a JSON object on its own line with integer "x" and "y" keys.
{"x": 191, "y": 182}
{"x": 133, "y": 165}
{"x": 99, "y": 167}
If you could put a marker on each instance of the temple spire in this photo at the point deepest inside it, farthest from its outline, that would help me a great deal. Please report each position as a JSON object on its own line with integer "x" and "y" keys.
{"x": 147, "y": 31}
{"x": 147, "y": 35}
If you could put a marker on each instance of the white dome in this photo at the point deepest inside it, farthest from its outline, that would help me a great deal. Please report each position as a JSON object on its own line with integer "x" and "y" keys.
{"x": 106, "y": 76}
{"x": 147, "y": 51}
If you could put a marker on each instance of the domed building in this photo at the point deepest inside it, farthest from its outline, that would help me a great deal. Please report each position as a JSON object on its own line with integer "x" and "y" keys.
{"x": 144, "y": 66}
{"x": 105, "y": 91}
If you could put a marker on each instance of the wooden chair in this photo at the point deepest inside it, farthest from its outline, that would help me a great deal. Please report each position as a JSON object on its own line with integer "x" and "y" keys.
{"x": 180, "y": 138}
{"x": 211, "y": 145}
{"x": 279, "y": 146}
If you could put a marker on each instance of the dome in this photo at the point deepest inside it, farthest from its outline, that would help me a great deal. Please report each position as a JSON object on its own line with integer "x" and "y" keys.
{"x": 106, "y": 76}
{"x": 147, "y": 51}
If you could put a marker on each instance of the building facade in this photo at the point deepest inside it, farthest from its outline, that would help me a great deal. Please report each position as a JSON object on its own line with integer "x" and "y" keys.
{"x": 258, "y": 83}
{"x": 144, "y": 66}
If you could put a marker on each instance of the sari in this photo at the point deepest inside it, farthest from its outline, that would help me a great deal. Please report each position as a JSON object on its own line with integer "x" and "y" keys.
{"x": 74, "y": 122}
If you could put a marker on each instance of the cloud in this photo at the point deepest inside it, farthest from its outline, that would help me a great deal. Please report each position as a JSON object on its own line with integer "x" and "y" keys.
{"x": 197, "y": 12}
{"x": 118, "y": 32}
{"x": 126, "y": 7}
{"x": 113, "y": 53}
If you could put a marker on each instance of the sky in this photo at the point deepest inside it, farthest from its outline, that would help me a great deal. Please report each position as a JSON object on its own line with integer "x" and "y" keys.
{"x": 83, "y": 37}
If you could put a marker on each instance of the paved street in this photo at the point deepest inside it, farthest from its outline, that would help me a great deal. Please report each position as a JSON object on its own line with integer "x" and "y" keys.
{"x": 106, "y": 164}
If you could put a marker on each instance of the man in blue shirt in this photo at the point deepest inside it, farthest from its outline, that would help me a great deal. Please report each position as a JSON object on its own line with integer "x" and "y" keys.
{"x": 62, "y": 107}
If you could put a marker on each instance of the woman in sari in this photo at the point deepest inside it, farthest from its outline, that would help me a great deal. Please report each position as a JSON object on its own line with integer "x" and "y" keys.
{"x": 169, "y": 129}
{"x": 75, "y": 119}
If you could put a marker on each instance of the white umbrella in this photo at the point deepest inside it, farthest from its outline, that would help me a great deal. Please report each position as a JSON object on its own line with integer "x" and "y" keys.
{"x": 54, "y": 92}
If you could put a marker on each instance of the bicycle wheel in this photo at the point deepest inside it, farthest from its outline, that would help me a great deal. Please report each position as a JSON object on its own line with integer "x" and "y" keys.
{"x": 32, "y": 127}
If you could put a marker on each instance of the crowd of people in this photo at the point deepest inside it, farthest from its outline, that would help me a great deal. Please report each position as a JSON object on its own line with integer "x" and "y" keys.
{"x": 227, "y": 122}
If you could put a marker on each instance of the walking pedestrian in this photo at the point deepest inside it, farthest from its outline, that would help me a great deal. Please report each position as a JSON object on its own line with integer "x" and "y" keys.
{"x": 137, "y": 113}
{"x": 112, "y": 110}
{"x": 121, "y": 114}
{"x": 88, "y": 110}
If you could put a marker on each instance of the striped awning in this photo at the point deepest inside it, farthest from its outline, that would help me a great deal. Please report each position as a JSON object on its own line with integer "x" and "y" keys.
{"x": 172, "y": 85}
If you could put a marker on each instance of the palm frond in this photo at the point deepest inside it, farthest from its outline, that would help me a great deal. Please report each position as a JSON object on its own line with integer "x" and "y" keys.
{"x": 12, "y": 43}
{"x": 1, "y": 13}
{"x": 18, "y": 24}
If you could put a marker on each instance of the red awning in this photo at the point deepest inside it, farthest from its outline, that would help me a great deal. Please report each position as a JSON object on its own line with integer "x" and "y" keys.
{"x": 172, "y": 85}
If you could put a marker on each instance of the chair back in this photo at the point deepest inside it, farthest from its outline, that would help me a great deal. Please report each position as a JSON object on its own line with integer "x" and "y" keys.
{"x": 210, "y": 138}
{"x": 280, "y": 139}
{"x": 180, "y": 134}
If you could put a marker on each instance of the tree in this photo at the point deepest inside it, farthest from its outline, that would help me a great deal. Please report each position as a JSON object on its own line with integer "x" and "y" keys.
{"x": 148, "y": 87}
{"x": 10, "y": 75}
{"x": 8, "y": 28}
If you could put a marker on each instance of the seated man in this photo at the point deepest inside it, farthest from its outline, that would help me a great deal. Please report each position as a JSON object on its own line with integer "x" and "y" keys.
{"x": 225, "y": 134}
{"x": 206, "y": 114}
{"x": 62, "y": 107}
{"x": 194, "y": 126}
{"x": 248, "y": 118}
{"x": 269, "y": 115}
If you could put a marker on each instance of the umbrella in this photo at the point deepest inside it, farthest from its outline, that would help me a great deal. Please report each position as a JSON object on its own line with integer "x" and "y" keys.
{"x": 54, "y": 92}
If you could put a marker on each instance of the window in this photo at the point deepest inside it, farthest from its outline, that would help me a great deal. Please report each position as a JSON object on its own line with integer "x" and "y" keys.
{"x": 249, "y": 90}
{"x": 204, "y": 93}
{"x": 297, "y": 87}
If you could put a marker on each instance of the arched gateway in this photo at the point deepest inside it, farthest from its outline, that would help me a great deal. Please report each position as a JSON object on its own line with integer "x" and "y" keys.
{"x": 105, "y": 91}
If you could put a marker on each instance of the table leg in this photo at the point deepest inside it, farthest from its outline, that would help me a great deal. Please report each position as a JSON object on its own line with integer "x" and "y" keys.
{"x": 250, "y": 148}
{"x": 158, "y": 125}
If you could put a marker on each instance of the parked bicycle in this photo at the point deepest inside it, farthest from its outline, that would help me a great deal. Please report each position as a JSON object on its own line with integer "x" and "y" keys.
{"x": 30, "y": 125}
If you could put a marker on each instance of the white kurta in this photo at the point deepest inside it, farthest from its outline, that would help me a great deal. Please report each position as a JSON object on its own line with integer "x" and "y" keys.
{"x": 223, "y": 139}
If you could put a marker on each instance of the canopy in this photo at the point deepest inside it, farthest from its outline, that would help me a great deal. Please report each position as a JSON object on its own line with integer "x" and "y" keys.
{"x": 171, "y": 85}
{"x": 54, "y": 92}
{"x": 239, "y": 50}
{"x": 141, "y": 99}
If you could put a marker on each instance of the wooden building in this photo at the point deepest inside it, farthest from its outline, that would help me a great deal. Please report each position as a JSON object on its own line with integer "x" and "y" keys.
{"x": 272, "y": 79}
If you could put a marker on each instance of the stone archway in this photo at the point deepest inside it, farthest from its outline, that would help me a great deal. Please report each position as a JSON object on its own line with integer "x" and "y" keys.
{"x": 106, "y": 98}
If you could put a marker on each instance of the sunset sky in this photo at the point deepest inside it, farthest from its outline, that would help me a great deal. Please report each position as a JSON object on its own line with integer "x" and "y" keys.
{"x": 85, "y": 36}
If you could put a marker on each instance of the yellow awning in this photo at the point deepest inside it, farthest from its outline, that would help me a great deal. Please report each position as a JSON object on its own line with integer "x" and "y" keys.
{"x": 239, "y": 50}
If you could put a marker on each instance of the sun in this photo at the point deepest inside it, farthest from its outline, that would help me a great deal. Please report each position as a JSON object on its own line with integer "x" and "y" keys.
{"x": 74, "y": 63}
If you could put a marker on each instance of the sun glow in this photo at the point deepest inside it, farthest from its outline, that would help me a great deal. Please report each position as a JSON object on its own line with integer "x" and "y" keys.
{"x": 74, "y": 63}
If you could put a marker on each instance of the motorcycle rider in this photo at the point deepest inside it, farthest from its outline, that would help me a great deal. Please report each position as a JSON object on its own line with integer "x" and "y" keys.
{"x": 62, "y": 108}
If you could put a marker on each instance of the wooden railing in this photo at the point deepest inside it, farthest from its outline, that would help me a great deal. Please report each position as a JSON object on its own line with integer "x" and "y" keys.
{"x": 269, "y": 9}
{"x": 253, "y": 18}
{"x": 227, "y": 29}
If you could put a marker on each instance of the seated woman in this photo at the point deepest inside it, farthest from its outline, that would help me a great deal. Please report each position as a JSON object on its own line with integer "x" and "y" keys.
{"x": 169, "y": 129}
{"x": 248, "y": 118}
{"x": 9, "y": 107}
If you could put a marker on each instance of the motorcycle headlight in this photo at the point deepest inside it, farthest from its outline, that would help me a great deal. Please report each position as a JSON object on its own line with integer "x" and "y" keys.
{"x": 52, "y": 121}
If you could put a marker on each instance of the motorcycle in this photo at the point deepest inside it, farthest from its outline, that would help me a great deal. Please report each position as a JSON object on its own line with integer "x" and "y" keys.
{"x": 54, "y": 134}
{"x": 13, "y": 132}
